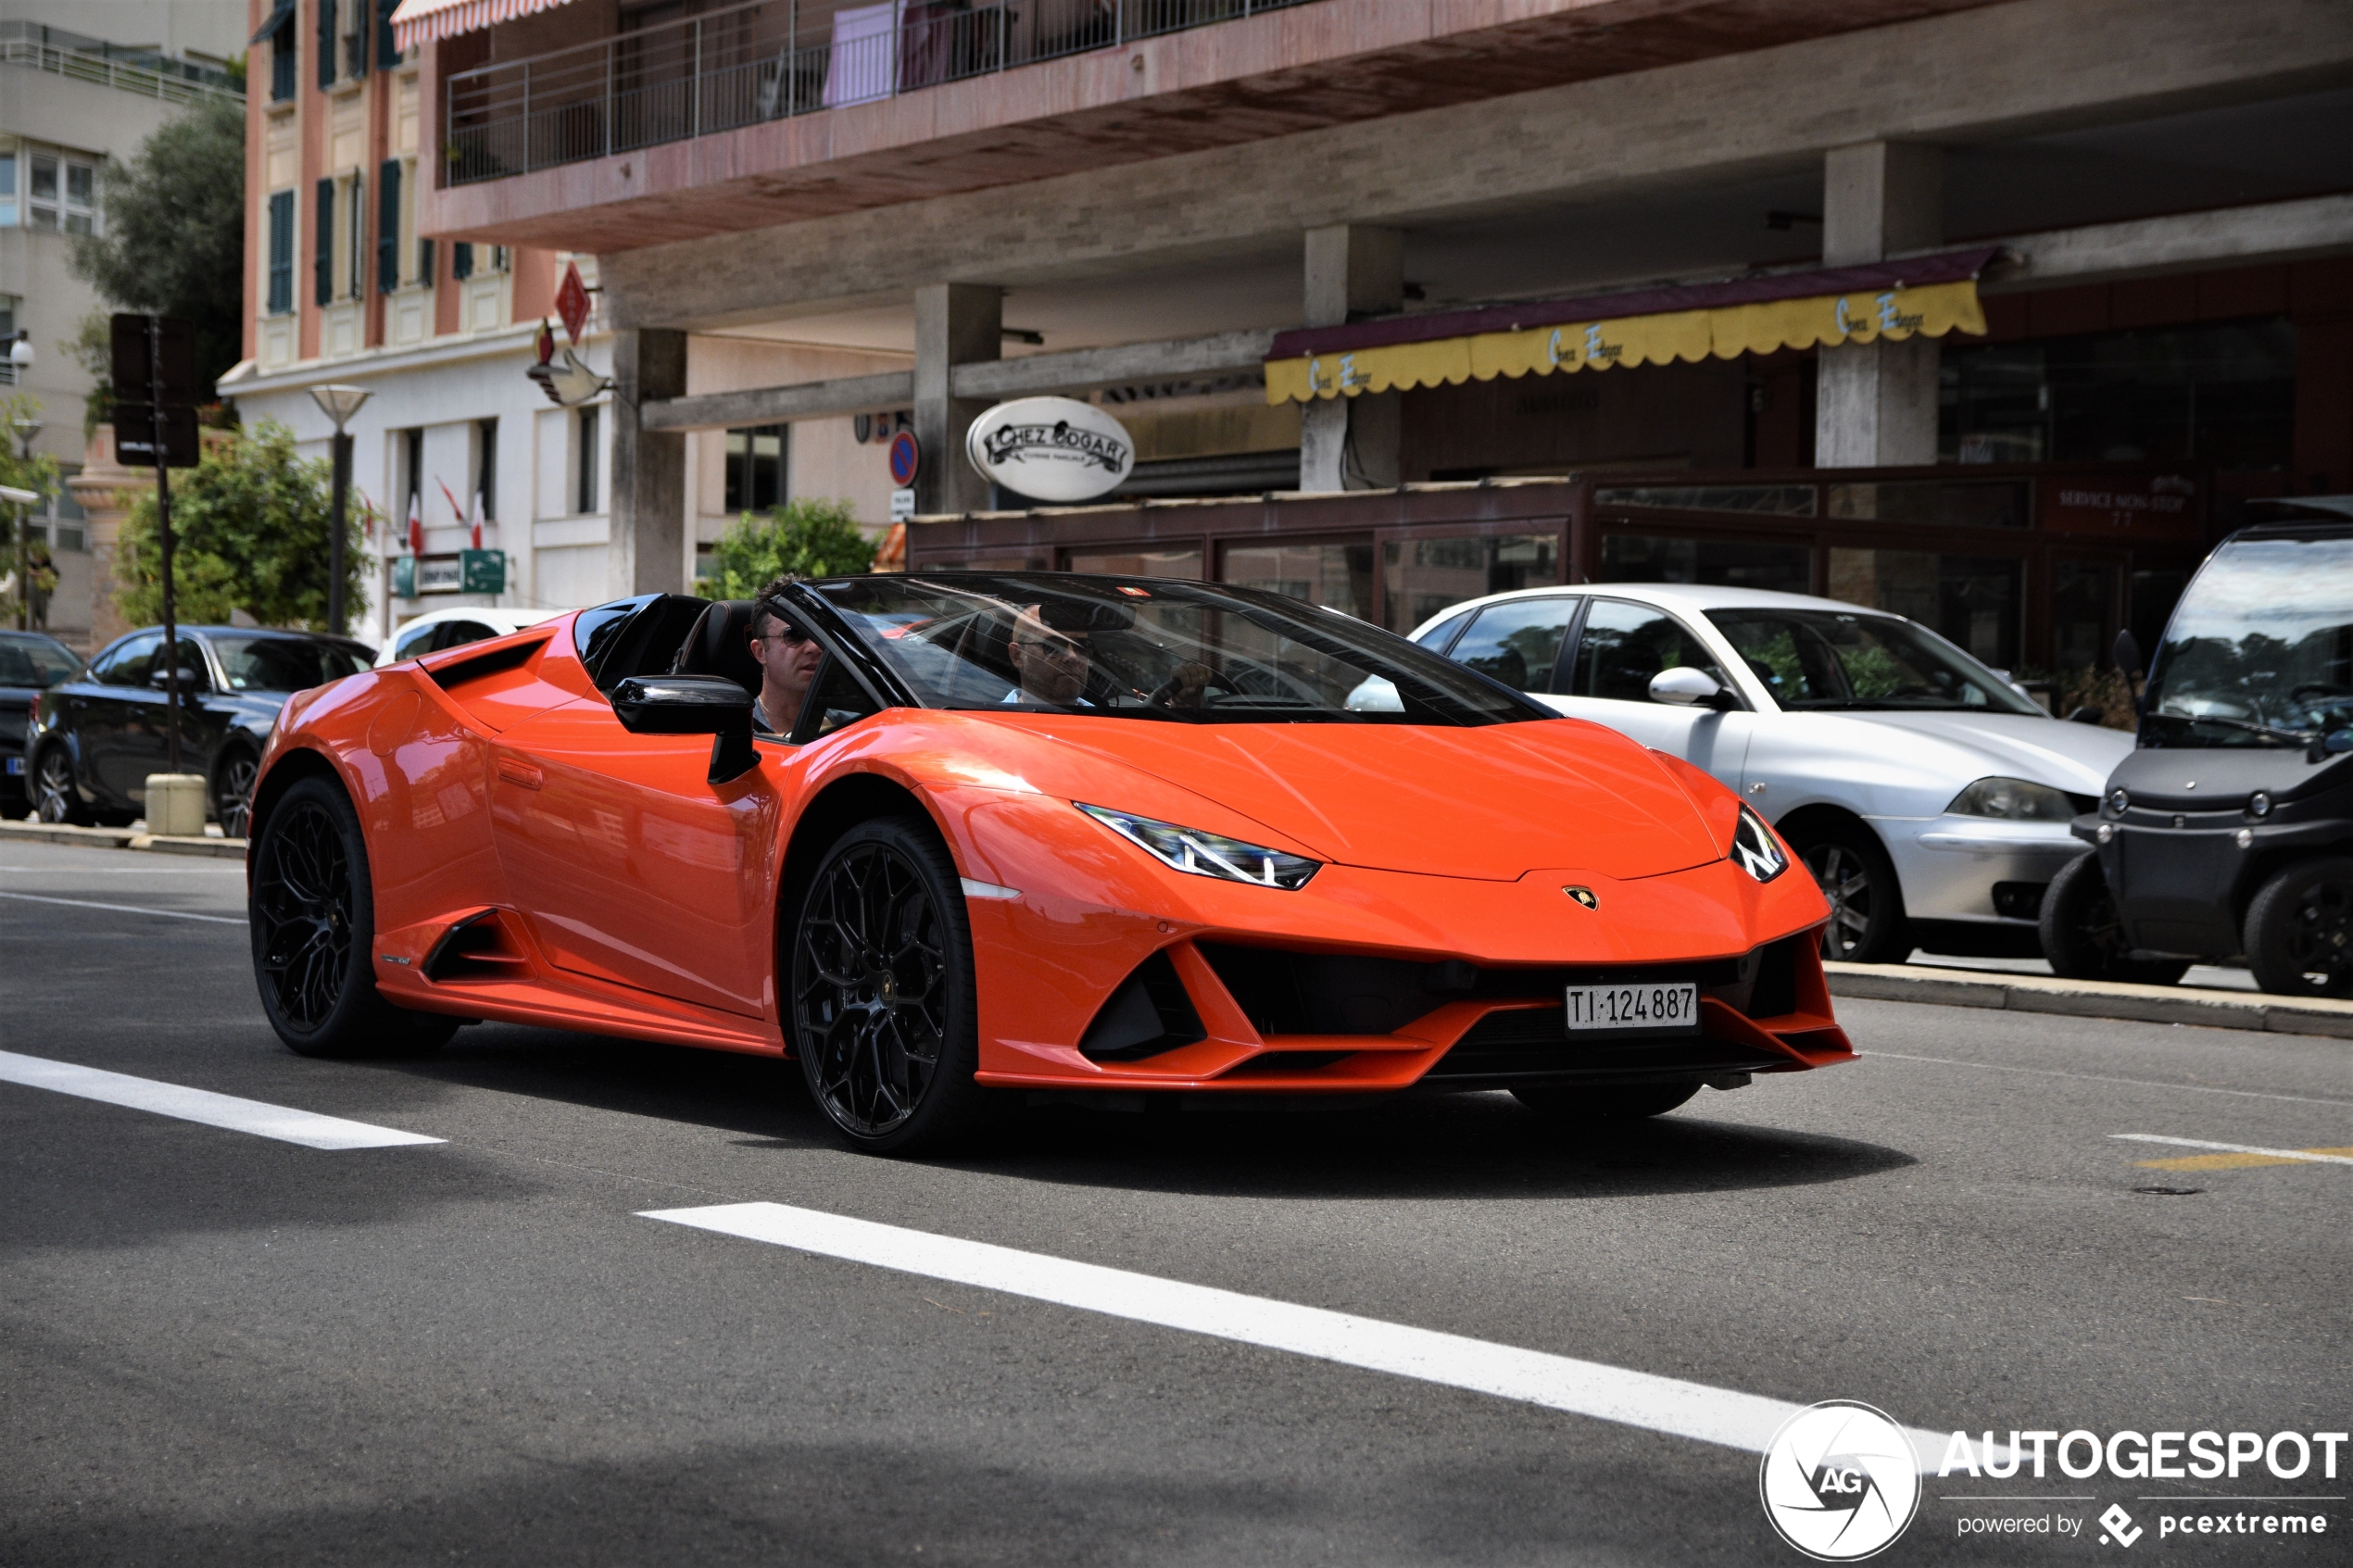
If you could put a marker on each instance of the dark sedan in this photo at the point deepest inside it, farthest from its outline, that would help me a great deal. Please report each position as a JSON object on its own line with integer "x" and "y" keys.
{"x": 95, "y": 738}
{"x": 29, "y": 664}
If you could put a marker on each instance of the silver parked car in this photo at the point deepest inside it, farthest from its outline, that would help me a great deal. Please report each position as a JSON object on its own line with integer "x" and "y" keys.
{"x": 1930, "y": 797}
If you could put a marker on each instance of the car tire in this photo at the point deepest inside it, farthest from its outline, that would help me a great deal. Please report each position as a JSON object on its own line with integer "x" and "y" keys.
{"x": 313, "y": 919}
{"x": 232, "y": 778}
{"x": 1616, "y": 1102}
{"x": 55, "y": 799}
{"x": 1867, "y": 923}
{"x": 2299, "y": 930}
{"x": 2082, "y": 939}
{"x": 883, "y": 1007}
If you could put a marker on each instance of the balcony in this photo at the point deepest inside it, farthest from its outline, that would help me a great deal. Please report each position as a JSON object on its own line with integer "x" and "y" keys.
{"x": 728, "y": 69}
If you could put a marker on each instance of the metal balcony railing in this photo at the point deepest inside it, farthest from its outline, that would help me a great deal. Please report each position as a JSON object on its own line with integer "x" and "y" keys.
{"x": 764, "y": 61}
{"x": 143, "y": 71}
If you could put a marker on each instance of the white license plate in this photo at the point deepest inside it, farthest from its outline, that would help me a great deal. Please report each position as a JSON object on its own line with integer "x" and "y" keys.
{"x": 1671, "y": 1009}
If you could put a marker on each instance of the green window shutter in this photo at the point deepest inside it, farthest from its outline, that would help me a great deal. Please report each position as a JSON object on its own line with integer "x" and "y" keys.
{"x": 326, "y": 44}
{"x": 388, "y": 227}
{"x": 387, "y": 47}
{"x": 461, "y": 260}
{"x": 282, "y": 252}
{"x": 322, "y": 266}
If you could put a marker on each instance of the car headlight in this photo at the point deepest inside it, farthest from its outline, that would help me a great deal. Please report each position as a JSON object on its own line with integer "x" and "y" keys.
{"x": 2014, "y": 800}
{"x": 1207, "y": 854}
{"x": 1756, "y": 851}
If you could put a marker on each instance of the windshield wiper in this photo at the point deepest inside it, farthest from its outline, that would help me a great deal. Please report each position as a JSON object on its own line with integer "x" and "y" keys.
{"x": 2270, "y": 731}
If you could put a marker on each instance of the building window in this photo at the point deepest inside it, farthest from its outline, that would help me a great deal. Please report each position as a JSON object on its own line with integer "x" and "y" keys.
{"x": 10, "y": 305}
{"x": 61, "y": 193}
{"x": 584, "y": 452}
{"x": 284, "y": 61}
{"x": 7, "y": 190}
{"x": 354, "y": 233}
{"x": 282, "y": 252}
{"x": 486, "y": 469}
{"x": 351, "y": 22}
{"x": 756, "y": 467}
{"x": 412, "y": 479}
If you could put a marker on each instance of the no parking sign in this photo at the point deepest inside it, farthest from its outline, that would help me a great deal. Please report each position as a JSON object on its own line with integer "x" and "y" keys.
{"x": 906, "y": 456}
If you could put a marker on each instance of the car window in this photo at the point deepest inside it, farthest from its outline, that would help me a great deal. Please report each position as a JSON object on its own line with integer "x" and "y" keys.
{"x": 1624, "y": 645}
{"x": 836, "y": 700}
{"x": 1438, "y": 636}
{"x": 1818, "y": 658}
{"x": 458, "y": 633}
{"x": 127, "y": 664}
{"x": 284, "y": 664}
{"x": 36, "y": 662}
{"x": 192, "y": 667}
{"x": 1519, "y": 641}
{"x": 414, "y": 640}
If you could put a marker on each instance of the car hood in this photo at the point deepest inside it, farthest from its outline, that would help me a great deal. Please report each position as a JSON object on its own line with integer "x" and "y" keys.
{"x": 2075, "y": 757}
{"x": 1492, "y": 803}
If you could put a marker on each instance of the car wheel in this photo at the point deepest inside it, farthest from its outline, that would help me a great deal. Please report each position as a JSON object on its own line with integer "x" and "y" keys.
{"x": 312, "y": 910}
{"x": 232, "y": 779}
{"x": 2084, "y": 939}
{"x": 2299, "y": 931}
{"x": 1867, "y": 923}
{"x": 882, "y": 997}
{"x": 1628, "y": 1102}
{"x": 54, "y": 798}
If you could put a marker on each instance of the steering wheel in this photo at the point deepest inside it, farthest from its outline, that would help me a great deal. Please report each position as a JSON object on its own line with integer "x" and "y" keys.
{"x": 1165, "y": 694}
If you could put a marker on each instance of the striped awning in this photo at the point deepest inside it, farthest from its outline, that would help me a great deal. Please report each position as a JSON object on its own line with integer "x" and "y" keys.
{"x": 418, "y": 20}
{"x": 1930, "y": 294}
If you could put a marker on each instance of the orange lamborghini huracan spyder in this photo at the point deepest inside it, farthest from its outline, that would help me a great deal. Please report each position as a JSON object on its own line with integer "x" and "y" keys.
{"x": 1025, "y": 833}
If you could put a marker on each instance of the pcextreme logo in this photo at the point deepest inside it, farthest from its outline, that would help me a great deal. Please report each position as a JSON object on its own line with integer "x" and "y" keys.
{"x": 1839, "y": 1481}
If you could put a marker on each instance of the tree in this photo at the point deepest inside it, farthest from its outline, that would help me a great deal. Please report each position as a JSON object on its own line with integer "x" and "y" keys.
{"x": 37, "y": 474}
{"x": 803, "y": 538}
{"x": 250, "y": 531}
{"x": 175, "y": 233}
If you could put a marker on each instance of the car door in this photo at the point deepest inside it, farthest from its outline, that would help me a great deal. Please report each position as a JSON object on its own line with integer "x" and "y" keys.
{"x": 1620, "y": 645}
{"x": 631, "y": 866}
{"x": 110, "y": 714}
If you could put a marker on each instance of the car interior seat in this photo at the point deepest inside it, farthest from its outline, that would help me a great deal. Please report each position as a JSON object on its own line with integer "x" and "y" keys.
{"x": 1626, "y": 672}
{"x": 720, "y": 644}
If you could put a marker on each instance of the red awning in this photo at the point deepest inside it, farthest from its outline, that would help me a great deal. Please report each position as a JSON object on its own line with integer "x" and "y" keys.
{"x": 420, "y": 19}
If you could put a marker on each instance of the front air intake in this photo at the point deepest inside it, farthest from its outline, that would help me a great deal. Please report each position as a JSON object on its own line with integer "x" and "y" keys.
{"x": 1150, "y": 1013}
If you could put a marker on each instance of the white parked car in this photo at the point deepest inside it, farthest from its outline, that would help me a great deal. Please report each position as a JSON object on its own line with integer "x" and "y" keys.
{"x": 1930, "y": 797}
{"x": 455, "y": 627}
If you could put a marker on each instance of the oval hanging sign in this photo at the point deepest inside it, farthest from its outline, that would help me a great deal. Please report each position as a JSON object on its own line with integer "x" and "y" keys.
{"x": 1054, "y": 449}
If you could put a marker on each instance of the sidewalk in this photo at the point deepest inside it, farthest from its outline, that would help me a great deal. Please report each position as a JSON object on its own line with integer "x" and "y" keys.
{"x": 2212, "y": 1009}
{"x": 132, "y": 837}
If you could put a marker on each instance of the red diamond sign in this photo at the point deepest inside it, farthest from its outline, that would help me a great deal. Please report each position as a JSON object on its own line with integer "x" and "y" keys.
{"x": 572, "y": 301}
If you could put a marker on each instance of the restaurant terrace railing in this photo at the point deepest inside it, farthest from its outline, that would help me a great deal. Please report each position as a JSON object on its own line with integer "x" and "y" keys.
{"x": 729, "y": 69}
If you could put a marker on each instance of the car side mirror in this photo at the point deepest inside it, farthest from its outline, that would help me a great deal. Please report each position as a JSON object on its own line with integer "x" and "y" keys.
{"x": 1687, "y": 687}
{"x": 190, "y": 680}
{"x": 692, "y": 705}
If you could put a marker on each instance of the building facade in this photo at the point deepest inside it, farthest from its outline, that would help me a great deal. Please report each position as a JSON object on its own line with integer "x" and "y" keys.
{"x": 1190, "y": 209}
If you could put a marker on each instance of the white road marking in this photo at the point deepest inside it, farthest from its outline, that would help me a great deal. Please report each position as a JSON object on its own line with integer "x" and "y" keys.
{"x": 285, "y": 1124}
{"x": 126, "y": 908}
{"x": 2237, "y": 1149}
{"x": 1723, "y": 1416}
{"x": 129, "y": 871}
{"x": 2104, "y": 1078}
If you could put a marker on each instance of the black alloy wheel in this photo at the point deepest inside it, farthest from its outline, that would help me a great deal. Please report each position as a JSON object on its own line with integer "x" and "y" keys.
{"x": 2083, "y": 937}
{"x": 312, "y": 914}
{"x": 232, "y": 790}
{"x": 1610, "y": 1102}
{"x": 883, "y": 1006}
{"x": 1866, "y": 924}
{"x": 54, "y": 796}
{"x": 2299, "y": 930}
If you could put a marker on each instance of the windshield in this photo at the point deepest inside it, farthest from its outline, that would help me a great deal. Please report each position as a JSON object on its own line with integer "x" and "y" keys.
{"x": 2260, "y": 651}
{"x": 1140, "y": 647}
{"x": 36, "y": 662}
{"x": 284, "y": 664}
{"x": 1821, "y": 659}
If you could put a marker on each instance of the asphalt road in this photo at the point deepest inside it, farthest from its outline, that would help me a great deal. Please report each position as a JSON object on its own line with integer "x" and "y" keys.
{"x": 216, "y": 1347}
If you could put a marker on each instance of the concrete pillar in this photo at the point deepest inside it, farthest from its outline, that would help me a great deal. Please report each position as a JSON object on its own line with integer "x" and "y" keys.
{"x": 1351, "y": 442}
{"x": 649, "y": 503}
{"x": 1875, "y": 403}
{"x": 956, "y": 324}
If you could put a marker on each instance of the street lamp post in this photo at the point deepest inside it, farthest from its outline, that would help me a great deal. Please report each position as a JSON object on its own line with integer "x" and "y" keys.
{"x": 27, "y": 429}
{"x": 338, "y": 403}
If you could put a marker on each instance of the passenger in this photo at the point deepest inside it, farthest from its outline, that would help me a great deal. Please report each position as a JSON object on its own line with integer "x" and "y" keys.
{"x": 787, "y": 658}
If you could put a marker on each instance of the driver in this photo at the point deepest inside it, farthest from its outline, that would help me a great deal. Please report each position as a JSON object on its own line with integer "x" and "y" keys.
{"x": 787, "y": 658}
{"x": 1050, "y": 663}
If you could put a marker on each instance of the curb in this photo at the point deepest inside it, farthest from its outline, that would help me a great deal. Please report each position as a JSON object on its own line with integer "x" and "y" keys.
{"x": 2093, "y": 998}
{"x": 120, "y": 838}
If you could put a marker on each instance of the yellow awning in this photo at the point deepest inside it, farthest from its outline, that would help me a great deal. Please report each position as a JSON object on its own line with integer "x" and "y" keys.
{"x": 1757, "y": 326}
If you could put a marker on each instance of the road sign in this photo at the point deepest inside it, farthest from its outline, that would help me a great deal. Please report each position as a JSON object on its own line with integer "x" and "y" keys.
{"x": 482, "y": 571}
{"x": 902, "y": 505}
{"x": 134, "y": 436}
{"x": 572, "y": 301}
{"x": 906, "y": 458}
{"x": 132, "y": 375}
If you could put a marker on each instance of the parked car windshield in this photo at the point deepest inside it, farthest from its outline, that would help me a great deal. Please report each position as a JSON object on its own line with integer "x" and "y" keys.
{"x": 36, "y": 662}
{"x": 1821, "y": 659}
{"x": 2260, "y": 651}
{"x": 285, "y": 664}
{"x": 1152, "y": 648}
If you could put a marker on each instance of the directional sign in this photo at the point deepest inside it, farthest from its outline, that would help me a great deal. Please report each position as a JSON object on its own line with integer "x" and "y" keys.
{"x": 134, "y": 436}
{"x": 572, "y": 301}
{"x": 133, "y": 377}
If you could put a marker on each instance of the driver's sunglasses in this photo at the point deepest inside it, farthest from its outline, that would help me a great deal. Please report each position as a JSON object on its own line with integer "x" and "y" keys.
{"x": 1057, "y": 648}
{"x": 787, "y": 631}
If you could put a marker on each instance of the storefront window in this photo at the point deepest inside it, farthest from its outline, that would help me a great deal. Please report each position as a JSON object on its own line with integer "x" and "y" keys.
{"x": 1136, "y": 561}
{"x": 1971, "y": 600}
{"x": 2082, "y": 613}
{"x": 2223, "y": 393}
{"x": 1339, "y": 576}
{"x": 1730, "y": 563}
{"x": 1763, "y": 501}
{"x": 1936, "y": 503}
{"x": 1423, "y": 576}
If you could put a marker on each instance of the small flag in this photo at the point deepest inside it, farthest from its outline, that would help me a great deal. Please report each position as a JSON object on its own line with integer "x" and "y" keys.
{"x": 416, "y": 524}
{"x": 474, "y": 516}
